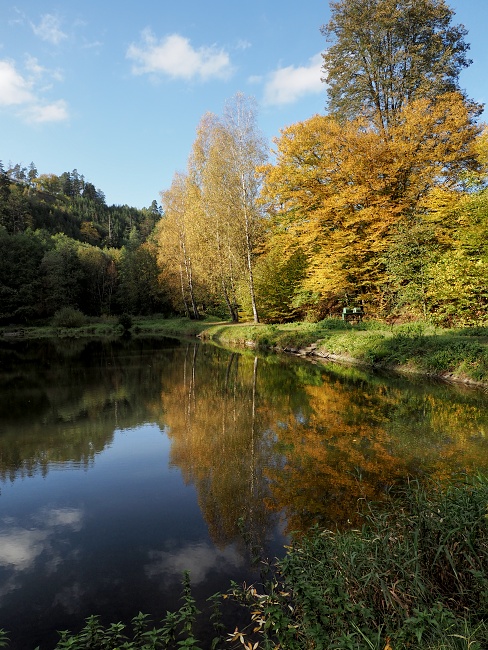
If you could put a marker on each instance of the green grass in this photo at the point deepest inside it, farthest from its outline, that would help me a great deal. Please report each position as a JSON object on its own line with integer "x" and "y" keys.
{"x": 414, "y": 576}
{"x": 456, "y": 354}
{"x": 416, "y": 347}
{"x": 110, "y": 326}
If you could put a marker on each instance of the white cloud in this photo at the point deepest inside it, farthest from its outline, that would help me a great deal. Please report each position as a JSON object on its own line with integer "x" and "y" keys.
{"x": 20, "y": 547}
{"x": 19, "y": 90}
{"x": 41, "y": 113}
{"x": 14, "y": 89}
{"x": 68, "y": 517}
{"x": 33, "y": 66}
{"x": 243, "y": 44}
{"x": 37, "y": 71}
{"x": 176, "y": 57}
{"x": 287, "y": 85}
{"x": 255, "y": 79}
{"x": 49, "y": 29}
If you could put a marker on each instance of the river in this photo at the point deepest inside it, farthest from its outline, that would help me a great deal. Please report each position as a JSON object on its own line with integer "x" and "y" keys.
{"x": 124, "y": 463}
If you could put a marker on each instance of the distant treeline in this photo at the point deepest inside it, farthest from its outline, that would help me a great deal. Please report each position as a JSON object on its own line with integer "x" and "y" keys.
{"x": 68, "y": 204}
{"x": 61, "y": 245}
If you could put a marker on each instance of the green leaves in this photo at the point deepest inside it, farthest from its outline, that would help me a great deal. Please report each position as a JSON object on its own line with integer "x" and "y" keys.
{"x": 385, "y": 53}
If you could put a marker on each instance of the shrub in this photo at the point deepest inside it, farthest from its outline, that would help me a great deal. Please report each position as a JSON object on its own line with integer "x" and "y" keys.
{"x": 69, "y": 317}
{"x": 126, "y": 321}
{"x": 415, "y": 574}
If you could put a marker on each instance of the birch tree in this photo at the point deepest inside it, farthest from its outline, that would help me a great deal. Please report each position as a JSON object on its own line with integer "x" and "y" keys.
{"x": 176, "y": 254}
{"x": 222, "y": 168}
{"x": 244, "y": 151}
{"x": 218, "y": 258}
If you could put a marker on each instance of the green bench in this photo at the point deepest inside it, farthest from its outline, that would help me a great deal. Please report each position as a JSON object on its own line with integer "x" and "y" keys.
{"x": 352, "y": 314}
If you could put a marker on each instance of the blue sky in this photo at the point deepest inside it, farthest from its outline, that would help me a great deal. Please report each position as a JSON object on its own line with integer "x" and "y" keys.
{"x": 116, "y": 90}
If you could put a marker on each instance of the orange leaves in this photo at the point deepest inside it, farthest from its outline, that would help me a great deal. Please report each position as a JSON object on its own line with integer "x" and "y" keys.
{"x": 339, "y": 188}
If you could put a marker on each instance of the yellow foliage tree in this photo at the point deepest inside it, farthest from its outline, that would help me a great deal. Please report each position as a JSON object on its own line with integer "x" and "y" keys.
{"x": 176, "y": 246}
{"x": 339, "y": 190}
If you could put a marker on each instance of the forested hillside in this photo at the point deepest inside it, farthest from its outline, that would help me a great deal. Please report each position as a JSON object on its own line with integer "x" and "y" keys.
{"x": 62, "y": 246}
{"x": 381, "y": 203}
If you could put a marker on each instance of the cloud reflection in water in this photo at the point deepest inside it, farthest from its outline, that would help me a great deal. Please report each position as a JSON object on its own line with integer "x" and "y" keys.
{"x": 199, "y": 559}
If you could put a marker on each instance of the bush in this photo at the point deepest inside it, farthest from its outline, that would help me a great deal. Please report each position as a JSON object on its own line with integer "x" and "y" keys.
{"x": 69, "y": 317}
{"x": 334, "y": 324}
{"x": 126, "y": 321}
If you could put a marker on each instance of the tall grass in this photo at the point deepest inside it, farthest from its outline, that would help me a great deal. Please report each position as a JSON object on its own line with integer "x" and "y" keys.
{"x": 414, "y": 576}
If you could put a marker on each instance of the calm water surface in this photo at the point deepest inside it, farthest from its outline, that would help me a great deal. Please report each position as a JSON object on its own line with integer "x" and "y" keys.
{"x": 124, "y": 463}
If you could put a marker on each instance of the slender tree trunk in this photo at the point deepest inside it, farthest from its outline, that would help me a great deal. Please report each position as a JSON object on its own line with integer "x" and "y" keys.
{"x": 189, "y": 279}
{"x": 187, "y": 311}
{"x": 232, "y": 311}
{"x": 194, "y": 307}
{"x": 249, "y": 259}
{"x": 251, "y": 287}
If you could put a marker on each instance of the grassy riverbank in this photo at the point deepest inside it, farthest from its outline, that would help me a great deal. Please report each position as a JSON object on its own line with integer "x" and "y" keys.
{"x": 458, "y": 355}
{"x": 110, "y": 327}
{"x": 415, "y": 575}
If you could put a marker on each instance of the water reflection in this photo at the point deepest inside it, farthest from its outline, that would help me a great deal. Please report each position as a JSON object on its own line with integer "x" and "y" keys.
{"x": 124, "y": 463}
{"x": 199, "y": 559}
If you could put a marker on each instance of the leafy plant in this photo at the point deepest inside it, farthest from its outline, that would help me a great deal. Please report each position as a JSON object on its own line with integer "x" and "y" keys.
{"x": 125, "y": 320}
{"x": 69, "y": 317}
{"x": 415, "y": 575}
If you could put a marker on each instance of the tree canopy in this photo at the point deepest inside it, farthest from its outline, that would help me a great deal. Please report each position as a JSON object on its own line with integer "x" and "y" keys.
{"x": 387, "y": 53}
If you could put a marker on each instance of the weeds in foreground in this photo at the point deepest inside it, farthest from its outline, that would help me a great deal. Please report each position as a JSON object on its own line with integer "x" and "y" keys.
{"x": 176, "y": 630}
{"x": 414, "y": 576}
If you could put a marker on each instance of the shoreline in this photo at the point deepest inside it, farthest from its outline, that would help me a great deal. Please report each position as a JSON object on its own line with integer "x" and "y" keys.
{"x": 318, "y": 351}
{"x": 452, "y": 356}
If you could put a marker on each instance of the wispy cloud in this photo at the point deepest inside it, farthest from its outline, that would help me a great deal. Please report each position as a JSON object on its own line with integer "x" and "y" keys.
{"x": 175, "y": 57}
{"x": 288, "y": 85}
{"x": 22, "y": 92}
{"x": 14, "y": 89}
{"x": 49, "y": 29}
{"x": 243, "y": 44}
{"x": 41, "y": 113}
{"x": 35, "y": 69}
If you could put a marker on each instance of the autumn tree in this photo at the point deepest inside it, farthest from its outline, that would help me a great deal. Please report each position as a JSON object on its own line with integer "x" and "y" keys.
{"x": 339, "y": 190}
{"x": 219, "y": 231}
{"x": 175, "y": 242}
{"x": 387, "y": 53}
{"x": 457, "y": 290}
{"x": 243, "y": 152}
{"x": 278, "y": 279}
{"x": 213, "y": 222}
